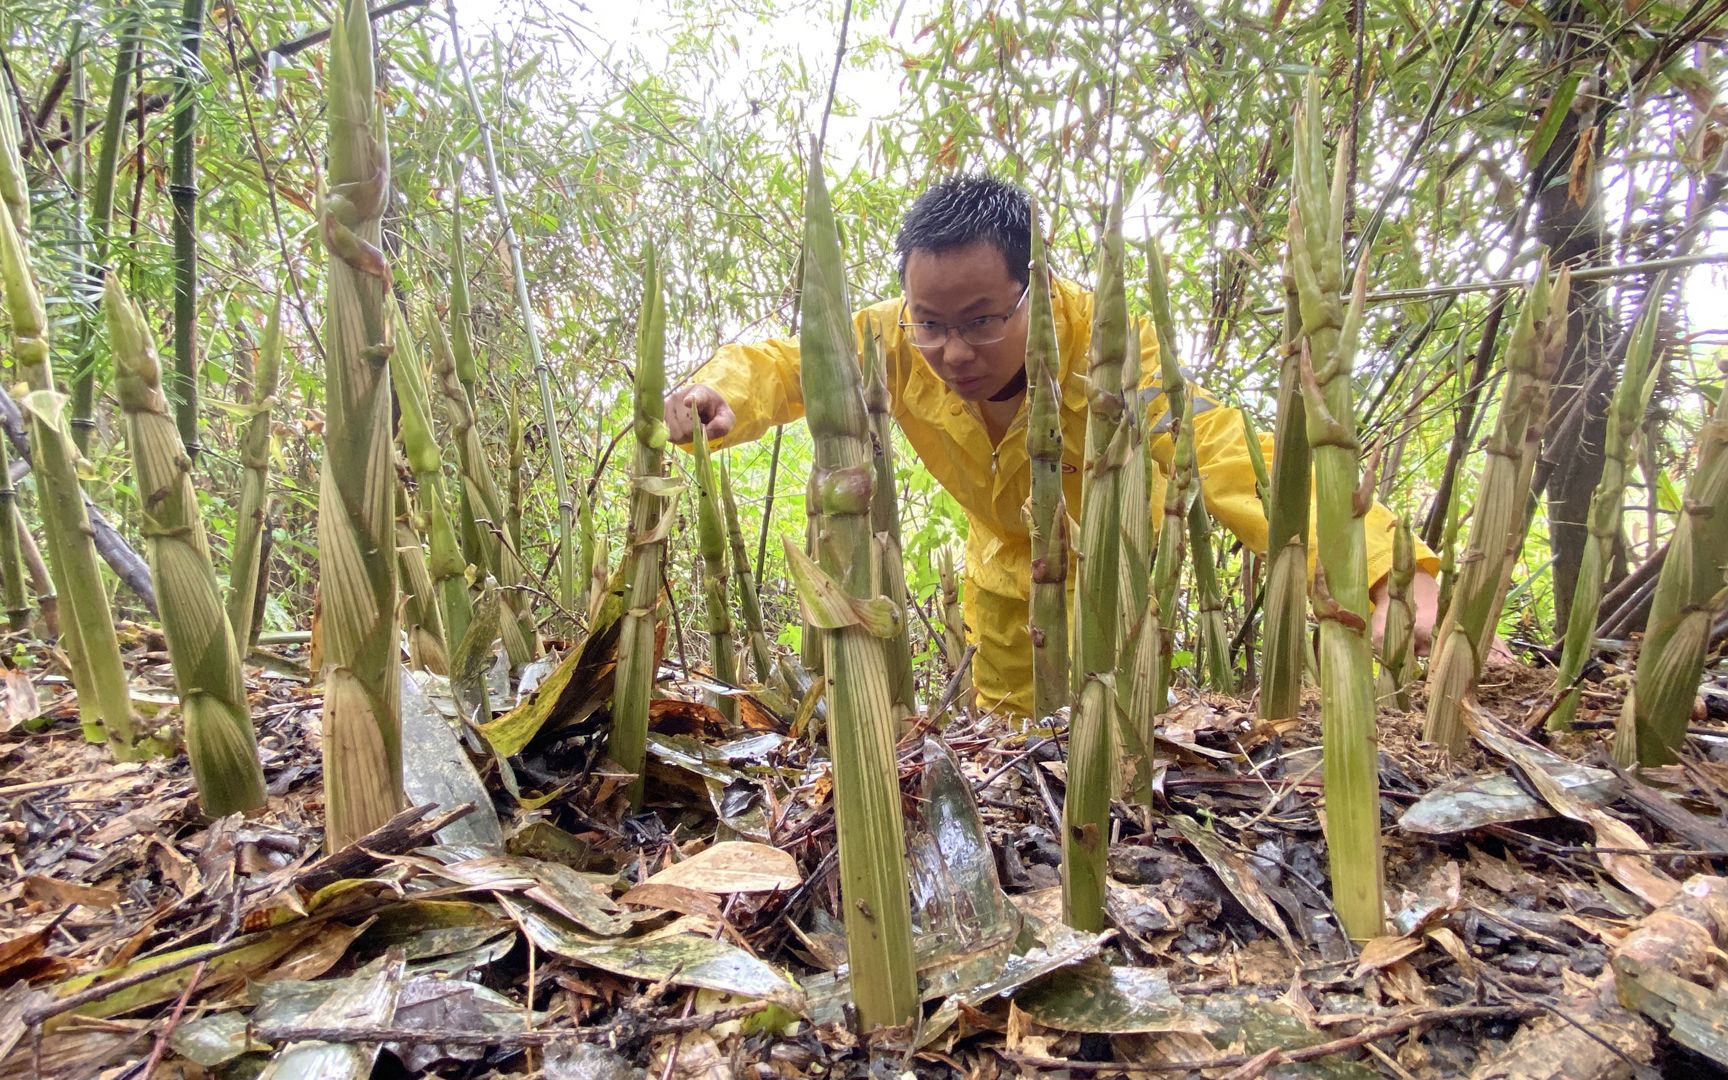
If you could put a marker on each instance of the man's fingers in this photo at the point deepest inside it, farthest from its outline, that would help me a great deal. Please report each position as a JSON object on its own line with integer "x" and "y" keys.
{"x": 718, "y": 415}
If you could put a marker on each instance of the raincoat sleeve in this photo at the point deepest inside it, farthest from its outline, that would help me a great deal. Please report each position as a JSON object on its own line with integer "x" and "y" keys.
{"x": 761, "y": 382}
{"x": 1227, "y": 472}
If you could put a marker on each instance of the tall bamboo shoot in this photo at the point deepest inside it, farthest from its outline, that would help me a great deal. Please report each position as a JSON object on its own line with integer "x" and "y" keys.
{"x": 356, "y": 520}
{"x": 201, "y": 644}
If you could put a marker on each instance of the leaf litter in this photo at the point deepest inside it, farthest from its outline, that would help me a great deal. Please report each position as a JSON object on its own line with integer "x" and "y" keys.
{"x": 519, "y": 921}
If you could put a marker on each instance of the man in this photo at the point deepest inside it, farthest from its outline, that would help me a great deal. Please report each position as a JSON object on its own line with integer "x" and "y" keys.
{"x": 956, "y": 351}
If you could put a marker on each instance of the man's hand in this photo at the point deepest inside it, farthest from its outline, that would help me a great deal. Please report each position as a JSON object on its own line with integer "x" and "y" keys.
{"x": 1425, "y": 600}
{"x": 705, "y": 403}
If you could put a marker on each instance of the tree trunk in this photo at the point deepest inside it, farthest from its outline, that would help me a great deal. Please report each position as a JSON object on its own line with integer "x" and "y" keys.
{"x": 1571, "y": 224}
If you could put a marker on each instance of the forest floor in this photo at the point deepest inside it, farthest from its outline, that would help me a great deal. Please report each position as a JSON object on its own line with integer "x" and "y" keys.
{"x": 1550, "y": 915}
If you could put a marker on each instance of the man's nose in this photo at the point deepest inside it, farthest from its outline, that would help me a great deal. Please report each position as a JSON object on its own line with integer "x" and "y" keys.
{"x": 957, "y": 351}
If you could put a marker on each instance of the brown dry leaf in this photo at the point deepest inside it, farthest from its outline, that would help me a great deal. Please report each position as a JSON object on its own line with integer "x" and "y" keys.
{"x": 1405, "y": 983}
{"x": 316, "y": 956}
{"x": 24, "y": 944}
{"x": 18, "y": 701}
{"x": 754, "y": 717}
{"x": 1383, "y": 952}
{"x": 671, "y": 716}
{"x": 676, "y": 898}
{"x": 691, "y": 1056}
{"x": 733, "y": 866}
{"x": 54, "y": 894}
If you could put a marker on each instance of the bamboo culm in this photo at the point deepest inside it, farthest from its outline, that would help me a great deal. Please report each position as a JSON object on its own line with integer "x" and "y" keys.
{"x": 1342, "y": 500}
{"x": 183, "y": 190}
{"x": 1086, "y": 807}
{"x": 201, "y": 645}
{"x": 1498, "y": 515}
{"x": 126, "y": 65}
{"x": 567, "y": 547}
{"x": 1048, "y": 523}
{"x": 749, "y": 603}
{"x": 1619, "y": 448}
{"x": 244, "y": 564}
{"x": 627, "y": 745}
{"x": 1690, "y": 595}
{"x": 1286, "y": 648}
{"x": 87, "y": 628}
{"x": 838, "y": 598}
{"x": 357, "y": 489}
{"x": 711, "y": 540}
{"x": 885, "y": 519}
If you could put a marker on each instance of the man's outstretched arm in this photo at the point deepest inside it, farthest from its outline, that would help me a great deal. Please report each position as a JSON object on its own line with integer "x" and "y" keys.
{"x": 739, "y": 394}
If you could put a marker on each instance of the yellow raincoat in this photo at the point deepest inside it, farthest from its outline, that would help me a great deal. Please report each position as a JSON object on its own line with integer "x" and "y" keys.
{"x": 762, "y": 385}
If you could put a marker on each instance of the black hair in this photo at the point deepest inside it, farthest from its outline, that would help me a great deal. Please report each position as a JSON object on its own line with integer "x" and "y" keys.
{"x": 970, "y": 209}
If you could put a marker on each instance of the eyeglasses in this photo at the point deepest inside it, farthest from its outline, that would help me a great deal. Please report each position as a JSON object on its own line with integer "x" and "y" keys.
{"x": 985, "y": 330}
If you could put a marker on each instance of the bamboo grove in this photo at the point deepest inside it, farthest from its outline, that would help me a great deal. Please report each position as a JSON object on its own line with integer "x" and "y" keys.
{"x": 459, "y": 534}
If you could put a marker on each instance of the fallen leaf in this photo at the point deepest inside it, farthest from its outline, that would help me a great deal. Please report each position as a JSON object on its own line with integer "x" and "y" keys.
{"x": 733, "y": 866}
{"x": 1383, "y": 952}
{"x": 1233, "y": 870}
{"x": 663, "y": 897}
{"x": 55, "y": 894}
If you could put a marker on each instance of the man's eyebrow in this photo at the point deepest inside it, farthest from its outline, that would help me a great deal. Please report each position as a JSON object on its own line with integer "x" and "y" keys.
{"x": 980, "y": 306}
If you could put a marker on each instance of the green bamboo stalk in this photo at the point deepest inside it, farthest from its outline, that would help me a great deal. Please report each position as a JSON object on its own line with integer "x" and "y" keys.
{"x": 761, "y": 659}
{"x": 1160, "y": 620}
{"x": 862, "y": 725}
{"x": 1342, "y": 499}
{"x": 218, "y": 721}
{"x": 1285, "y": 649}
{"x": 1532, "y": 355}
{"x": 1689, "y": 596}
{"x": 356, "y": 499}
{"x": 1137, "y": 656}
{"x": 484, "y": 533}
{"x": 953, "y": 620}
{"x": 422, "y": 625}
{"x": 86, "y": 626}
{"x": 87, "y": 629}
{"x": 244, "y": 565}
{"x": 12, "y": 576}
{"x": 885, "y": 519}
{"x": 711, "y": 538}
{"x": 446, "y": 569}
{"x": 1161, "y": 609}
{"x": 126, "y": 66}
{"x": 514, "y": 494}
{"x": 1086, "y": 807}
{"x": 14, "y": 188}
{"x": 567, "y": 549}
{"x": 1049, "y": 520}
{"x": 1619, "y": 447}
{"x": 649, "y": 524}
{"x": 183, "y": 191}
{"x": 1398, "y": 645}
{"x": 15, "y": 198}
{"x": 1220, "y": 676}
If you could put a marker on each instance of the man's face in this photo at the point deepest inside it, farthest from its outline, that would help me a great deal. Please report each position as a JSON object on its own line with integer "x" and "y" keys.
{"x": 954, "y": 288}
